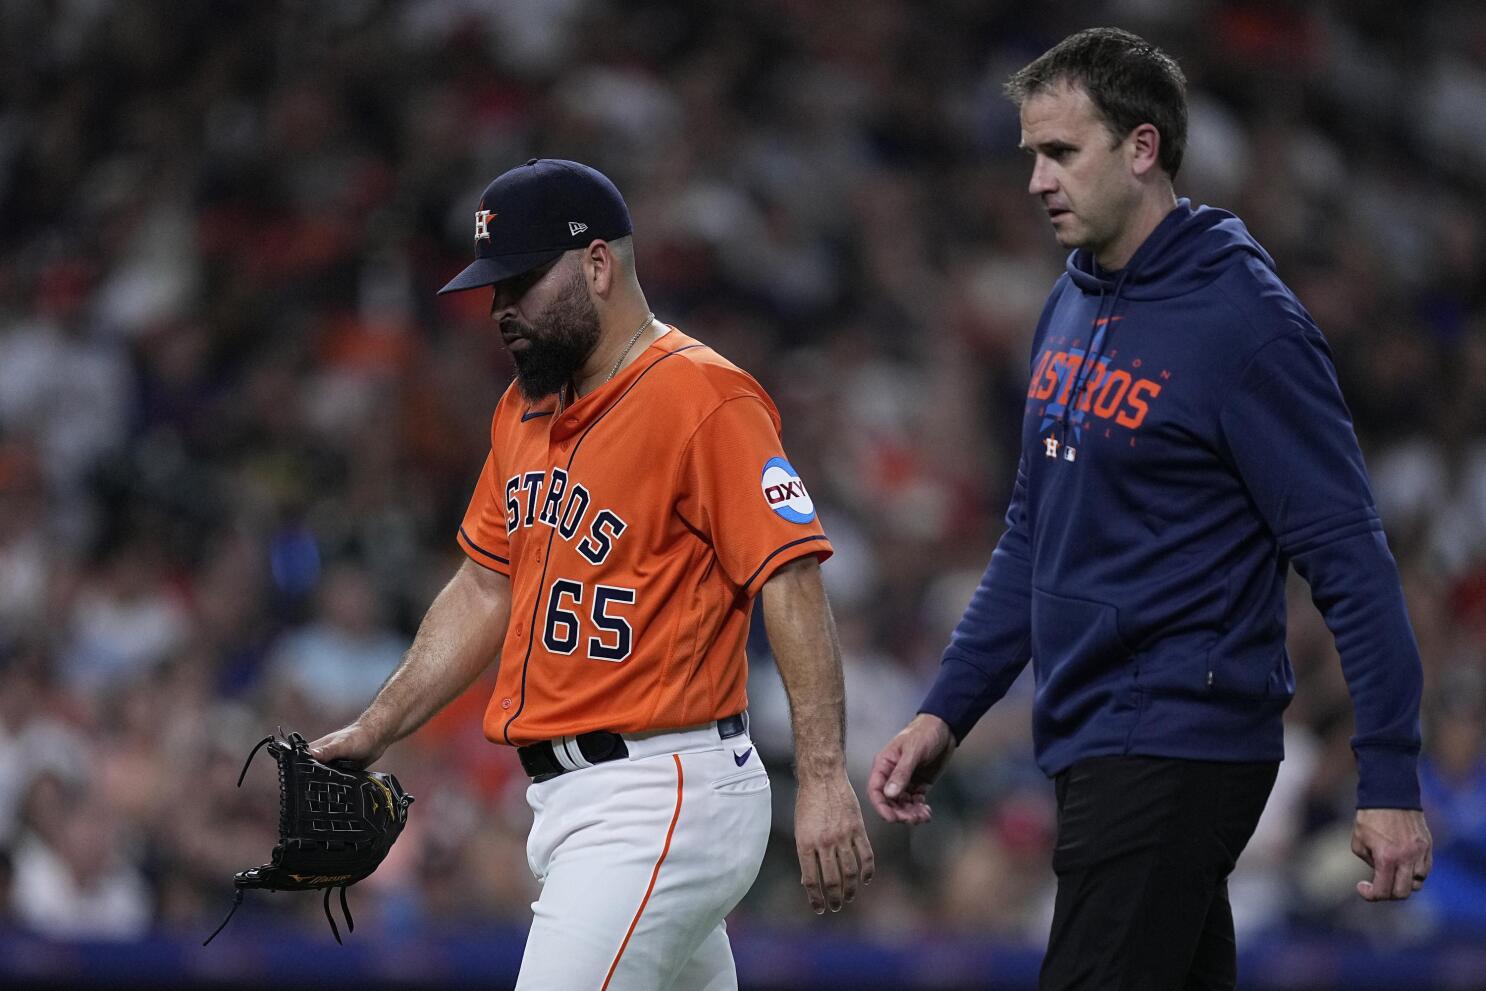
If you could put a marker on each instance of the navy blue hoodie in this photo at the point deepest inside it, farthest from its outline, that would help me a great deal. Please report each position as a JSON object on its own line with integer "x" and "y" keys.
{"x": 1154, "y": 518}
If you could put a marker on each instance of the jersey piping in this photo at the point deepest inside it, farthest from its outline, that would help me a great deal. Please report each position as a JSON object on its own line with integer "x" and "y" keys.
{"x": 776, "y": 552}
{"x": 490, "y": 554}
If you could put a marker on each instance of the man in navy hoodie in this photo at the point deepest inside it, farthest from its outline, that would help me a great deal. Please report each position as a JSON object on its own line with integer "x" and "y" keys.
{"x": 1184, "y": 443}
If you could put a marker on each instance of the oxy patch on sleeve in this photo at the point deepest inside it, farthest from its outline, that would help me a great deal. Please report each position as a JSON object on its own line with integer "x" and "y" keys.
{"x": 784, "y": 491}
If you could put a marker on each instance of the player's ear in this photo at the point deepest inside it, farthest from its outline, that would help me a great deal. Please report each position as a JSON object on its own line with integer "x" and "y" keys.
{"x": 1144, "y": 148}
{"x": 599, "y": 267}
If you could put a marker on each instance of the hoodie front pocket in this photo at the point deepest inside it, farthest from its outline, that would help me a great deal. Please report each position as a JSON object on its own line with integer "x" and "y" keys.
{"x": 1251, "y": 665}
{"x": 1077, "y": 652}
{"x": 1257, "y": 675}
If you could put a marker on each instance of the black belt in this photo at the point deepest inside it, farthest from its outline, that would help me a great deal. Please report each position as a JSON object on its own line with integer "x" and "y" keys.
{"x": 598, "y": 747}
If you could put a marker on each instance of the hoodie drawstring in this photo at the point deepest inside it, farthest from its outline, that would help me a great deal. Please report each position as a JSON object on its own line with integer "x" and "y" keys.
{"x": 1103, "y": 324}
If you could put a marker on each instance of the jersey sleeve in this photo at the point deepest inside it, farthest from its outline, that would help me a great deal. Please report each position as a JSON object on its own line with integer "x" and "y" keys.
{"x": 737, "y": 490}
{"x": 482, "y": 534}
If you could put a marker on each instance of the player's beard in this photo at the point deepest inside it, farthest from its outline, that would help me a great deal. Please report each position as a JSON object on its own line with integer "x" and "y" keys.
{"x": 558, "y": 343}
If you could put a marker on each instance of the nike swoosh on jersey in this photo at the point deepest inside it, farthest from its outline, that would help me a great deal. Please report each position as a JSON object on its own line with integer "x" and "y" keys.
{"x": 532, "y": 414}
{"x": 741, "y": 759}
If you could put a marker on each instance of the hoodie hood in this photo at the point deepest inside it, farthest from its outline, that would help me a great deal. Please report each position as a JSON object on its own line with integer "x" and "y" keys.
{"x": 1188, "y": 250}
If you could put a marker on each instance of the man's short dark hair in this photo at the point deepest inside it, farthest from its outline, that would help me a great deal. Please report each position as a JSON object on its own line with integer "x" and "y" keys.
{"x": 1130, "y": 81}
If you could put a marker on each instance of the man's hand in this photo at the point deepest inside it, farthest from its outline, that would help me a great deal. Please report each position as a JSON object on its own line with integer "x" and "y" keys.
{"x": 356, "y": 743}
{"x": 1396, "y": 844}
{"x": 835, "y": 855}
{"x": 907, "y": 766}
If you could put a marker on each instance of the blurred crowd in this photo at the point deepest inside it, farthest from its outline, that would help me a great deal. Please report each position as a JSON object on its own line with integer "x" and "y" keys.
{"x": 238, "y": 429}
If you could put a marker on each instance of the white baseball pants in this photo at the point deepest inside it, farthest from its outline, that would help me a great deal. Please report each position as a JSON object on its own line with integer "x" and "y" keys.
{"x": 640, "y": 859}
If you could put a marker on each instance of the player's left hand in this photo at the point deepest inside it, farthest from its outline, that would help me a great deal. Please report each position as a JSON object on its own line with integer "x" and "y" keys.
{"x": 831, "y": 840}
{"x": 1396, "y": 844}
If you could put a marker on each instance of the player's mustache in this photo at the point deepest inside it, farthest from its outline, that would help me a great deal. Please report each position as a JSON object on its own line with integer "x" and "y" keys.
{"x": 512, "y": 329}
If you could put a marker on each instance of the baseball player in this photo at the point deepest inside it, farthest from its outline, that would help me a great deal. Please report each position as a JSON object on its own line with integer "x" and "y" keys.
{"x": 635, "y": 500}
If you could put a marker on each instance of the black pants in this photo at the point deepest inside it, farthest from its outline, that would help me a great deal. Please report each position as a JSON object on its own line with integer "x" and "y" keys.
{"x": 1145, "y": 846}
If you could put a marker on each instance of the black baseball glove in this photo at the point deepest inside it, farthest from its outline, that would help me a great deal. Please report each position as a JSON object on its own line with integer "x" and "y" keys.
{"x": 336, "y": 824}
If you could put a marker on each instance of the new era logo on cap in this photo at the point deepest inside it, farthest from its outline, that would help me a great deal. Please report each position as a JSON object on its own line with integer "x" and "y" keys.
{"x": 575, "y": 228}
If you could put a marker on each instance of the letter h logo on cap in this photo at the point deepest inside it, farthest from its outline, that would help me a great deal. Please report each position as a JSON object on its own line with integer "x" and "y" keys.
{"x": 482, "y": 225}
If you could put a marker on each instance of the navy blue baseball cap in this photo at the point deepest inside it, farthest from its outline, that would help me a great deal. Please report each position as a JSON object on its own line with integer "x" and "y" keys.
{"x": 533, "y": 213}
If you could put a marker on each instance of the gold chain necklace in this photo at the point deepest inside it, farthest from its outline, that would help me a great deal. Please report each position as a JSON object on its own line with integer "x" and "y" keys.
{"x": 562, "y": 396}
{"x": 649, "y": 318}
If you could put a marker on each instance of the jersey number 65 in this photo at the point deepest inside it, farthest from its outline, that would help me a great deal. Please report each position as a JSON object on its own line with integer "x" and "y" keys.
{"x": 561, "y": 632}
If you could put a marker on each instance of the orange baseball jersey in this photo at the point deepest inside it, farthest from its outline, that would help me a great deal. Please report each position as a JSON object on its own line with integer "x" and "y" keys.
{"x": 636, "y": 525}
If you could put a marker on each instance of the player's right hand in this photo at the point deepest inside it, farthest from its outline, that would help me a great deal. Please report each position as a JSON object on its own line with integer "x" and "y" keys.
{"x": 357, "y": 744}
{"x": 903, "y": 771}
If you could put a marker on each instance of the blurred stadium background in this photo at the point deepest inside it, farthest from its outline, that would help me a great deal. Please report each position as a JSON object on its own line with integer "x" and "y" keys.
{"x": 237, "y": 431}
